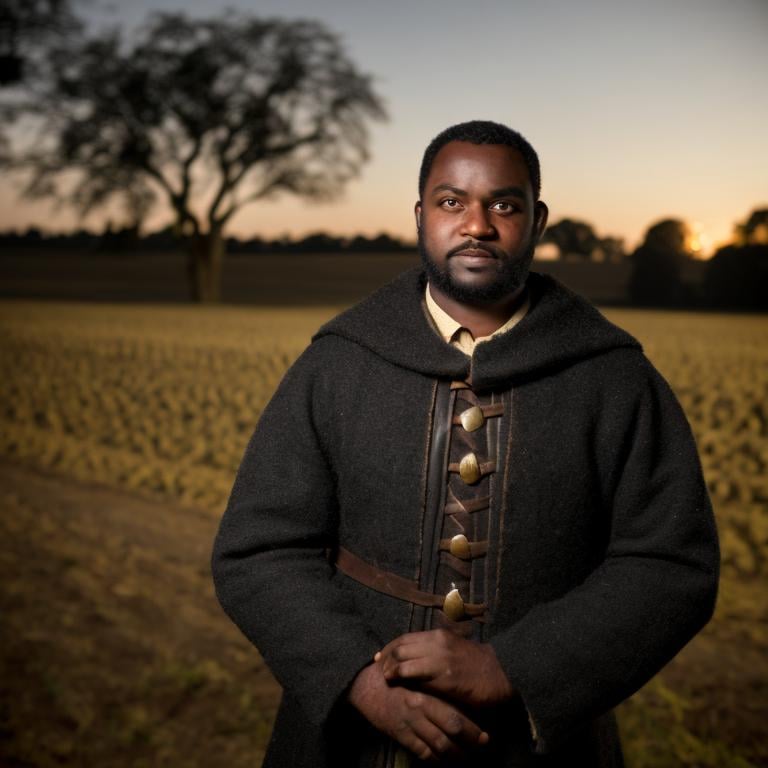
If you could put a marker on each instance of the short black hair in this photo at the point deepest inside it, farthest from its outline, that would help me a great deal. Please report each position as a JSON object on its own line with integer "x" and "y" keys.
{"x": 482, "y": 132}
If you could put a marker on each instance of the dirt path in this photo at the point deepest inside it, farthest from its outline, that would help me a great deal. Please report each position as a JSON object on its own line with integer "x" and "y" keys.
{"x": 114, "y": 649}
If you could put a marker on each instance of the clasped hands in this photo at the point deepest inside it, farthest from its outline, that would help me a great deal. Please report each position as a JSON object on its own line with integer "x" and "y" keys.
{"x": 418, "y": 686}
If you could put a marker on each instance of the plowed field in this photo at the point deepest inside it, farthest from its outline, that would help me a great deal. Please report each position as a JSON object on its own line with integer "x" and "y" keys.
{"x": 121, "y": 428}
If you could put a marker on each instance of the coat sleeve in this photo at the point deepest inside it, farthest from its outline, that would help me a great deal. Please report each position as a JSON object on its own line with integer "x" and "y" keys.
{"x": 576, "y": 657}
{"x": 269, "y": 564}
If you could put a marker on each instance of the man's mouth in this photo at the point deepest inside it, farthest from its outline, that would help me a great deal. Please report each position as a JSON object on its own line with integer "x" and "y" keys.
{"x": 479, "y": 252}
{"x": 476, "y": 254}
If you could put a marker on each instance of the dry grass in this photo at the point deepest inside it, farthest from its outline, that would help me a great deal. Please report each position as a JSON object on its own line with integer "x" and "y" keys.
{"x": 162, "y": 401}
{"x": 158, "y": 400}
{"x": 709, "y": 707}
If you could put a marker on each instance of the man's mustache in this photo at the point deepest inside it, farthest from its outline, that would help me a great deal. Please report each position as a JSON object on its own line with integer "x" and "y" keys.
{"x": 472, "y": 245}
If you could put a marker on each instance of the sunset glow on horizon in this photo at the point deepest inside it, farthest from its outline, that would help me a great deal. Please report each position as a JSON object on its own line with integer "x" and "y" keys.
{"x": 638, "y": 112}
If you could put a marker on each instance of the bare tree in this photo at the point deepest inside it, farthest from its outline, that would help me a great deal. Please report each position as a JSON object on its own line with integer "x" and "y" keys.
{"x": 208, "y": 115}
{"x": 573, "y": 238}
{"x": 26, "y": 28}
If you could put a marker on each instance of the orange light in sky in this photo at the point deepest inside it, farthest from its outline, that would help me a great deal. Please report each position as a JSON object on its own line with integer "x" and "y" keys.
{"x": 698, "y": 243}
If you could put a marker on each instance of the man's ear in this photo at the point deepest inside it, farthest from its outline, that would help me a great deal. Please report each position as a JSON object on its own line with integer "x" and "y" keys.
{"x": 540, "y": 216}
{"x": 417, "y": 213}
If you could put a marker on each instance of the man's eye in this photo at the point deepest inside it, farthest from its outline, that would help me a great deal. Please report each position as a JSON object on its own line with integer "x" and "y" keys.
{"x": 503, "y": 206}
{"x": 449, "y": 202}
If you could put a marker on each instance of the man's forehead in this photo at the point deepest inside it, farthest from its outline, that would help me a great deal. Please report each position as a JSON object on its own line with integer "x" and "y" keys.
{"x": 498, "y": 164}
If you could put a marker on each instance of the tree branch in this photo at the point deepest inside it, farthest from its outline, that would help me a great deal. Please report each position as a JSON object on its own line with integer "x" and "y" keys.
{"x": 268, "y": 188}
{"x": 230, "y": 185}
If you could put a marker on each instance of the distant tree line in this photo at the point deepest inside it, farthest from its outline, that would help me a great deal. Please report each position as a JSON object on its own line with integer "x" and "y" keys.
{"x": 127, "y": 240}
{"x": 734, "y": 278}
{"x": 665, "y": 271}
{"x": 577, "y": 241}
{"x": 209, "y": 115}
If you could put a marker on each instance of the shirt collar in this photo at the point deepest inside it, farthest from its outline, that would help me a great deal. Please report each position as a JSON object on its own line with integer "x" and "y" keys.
{"x": 444, "y": 322}
{"x": 449, "y": 327}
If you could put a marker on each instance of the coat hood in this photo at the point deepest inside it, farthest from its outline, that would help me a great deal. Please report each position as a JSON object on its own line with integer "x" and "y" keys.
{"x": 559, "y": 329}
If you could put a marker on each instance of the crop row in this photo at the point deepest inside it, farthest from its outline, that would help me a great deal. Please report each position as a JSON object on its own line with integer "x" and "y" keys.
{"x": 162, "y": 400}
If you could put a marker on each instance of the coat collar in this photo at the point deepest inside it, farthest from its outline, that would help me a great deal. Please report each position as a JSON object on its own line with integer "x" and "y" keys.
{"x": 559, "y": 329}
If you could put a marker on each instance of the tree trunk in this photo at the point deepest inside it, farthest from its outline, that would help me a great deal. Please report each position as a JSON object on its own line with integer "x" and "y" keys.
{"x": 206, "y": 255}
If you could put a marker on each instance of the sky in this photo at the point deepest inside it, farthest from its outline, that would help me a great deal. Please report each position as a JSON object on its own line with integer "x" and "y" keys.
{"x": 639, "y": 111}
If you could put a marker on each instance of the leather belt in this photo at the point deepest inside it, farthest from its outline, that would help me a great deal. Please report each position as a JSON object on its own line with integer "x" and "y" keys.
{"x": 391, "y": 584}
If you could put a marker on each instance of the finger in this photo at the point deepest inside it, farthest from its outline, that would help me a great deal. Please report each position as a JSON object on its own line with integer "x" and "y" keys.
{"x": 386, "y": 651}
{"x": 390, "y": 659}
{"x": 397, "y": 642}
{"x": 436, "y": 738}
{"x": 415, "y": 649}
{"x": 407, "y": 737}
{"x": 437, "y": 741}
{"x": 453, "y": 723}
{"x": 416, "y": 669}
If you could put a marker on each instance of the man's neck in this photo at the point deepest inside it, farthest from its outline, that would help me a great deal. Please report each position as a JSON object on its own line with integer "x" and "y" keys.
{"x": 479, "y": 320}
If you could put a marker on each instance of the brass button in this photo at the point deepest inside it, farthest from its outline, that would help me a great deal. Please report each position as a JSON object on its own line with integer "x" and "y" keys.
{"x": 469, "y": 469}
{"x": 459, "y": 546}
{"x": 453, "y": 605}
{"x": 472, "y": 418}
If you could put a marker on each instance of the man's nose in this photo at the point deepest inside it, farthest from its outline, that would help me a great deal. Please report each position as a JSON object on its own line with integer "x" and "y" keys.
{"x": 477, "y": 222}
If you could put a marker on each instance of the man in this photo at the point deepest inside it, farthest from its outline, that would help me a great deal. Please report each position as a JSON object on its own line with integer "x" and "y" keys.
{"x": 472, "y": 519}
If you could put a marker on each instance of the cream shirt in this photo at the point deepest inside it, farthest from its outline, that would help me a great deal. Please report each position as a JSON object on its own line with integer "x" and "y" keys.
{"x": 460, "y": 337}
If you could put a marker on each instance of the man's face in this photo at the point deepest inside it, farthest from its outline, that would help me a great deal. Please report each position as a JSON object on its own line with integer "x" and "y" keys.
{"x": 478, "y": 222}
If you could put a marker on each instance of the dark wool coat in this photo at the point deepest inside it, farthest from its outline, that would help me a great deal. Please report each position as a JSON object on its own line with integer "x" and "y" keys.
{"x": 607, "y": 560}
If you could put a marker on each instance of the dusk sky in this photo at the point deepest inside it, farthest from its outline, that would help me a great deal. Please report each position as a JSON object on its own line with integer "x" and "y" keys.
{"x": 639, "y": 111}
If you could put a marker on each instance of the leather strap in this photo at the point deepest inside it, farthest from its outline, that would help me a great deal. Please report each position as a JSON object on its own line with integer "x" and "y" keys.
{"x": 467, "y": 505}
{"x": 476, "y": 548}
{"x": 393, "y": 585}
{"x": 486, "y": 467}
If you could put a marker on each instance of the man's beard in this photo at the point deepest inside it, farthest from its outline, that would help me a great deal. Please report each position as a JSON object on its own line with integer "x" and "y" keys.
{"x": 511, "y": 276}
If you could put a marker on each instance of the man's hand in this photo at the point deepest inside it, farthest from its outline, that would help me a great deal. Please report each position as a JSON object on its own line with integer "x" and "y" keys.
{"x": 440, "y": 662}
{"x": 427, "y": 726}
